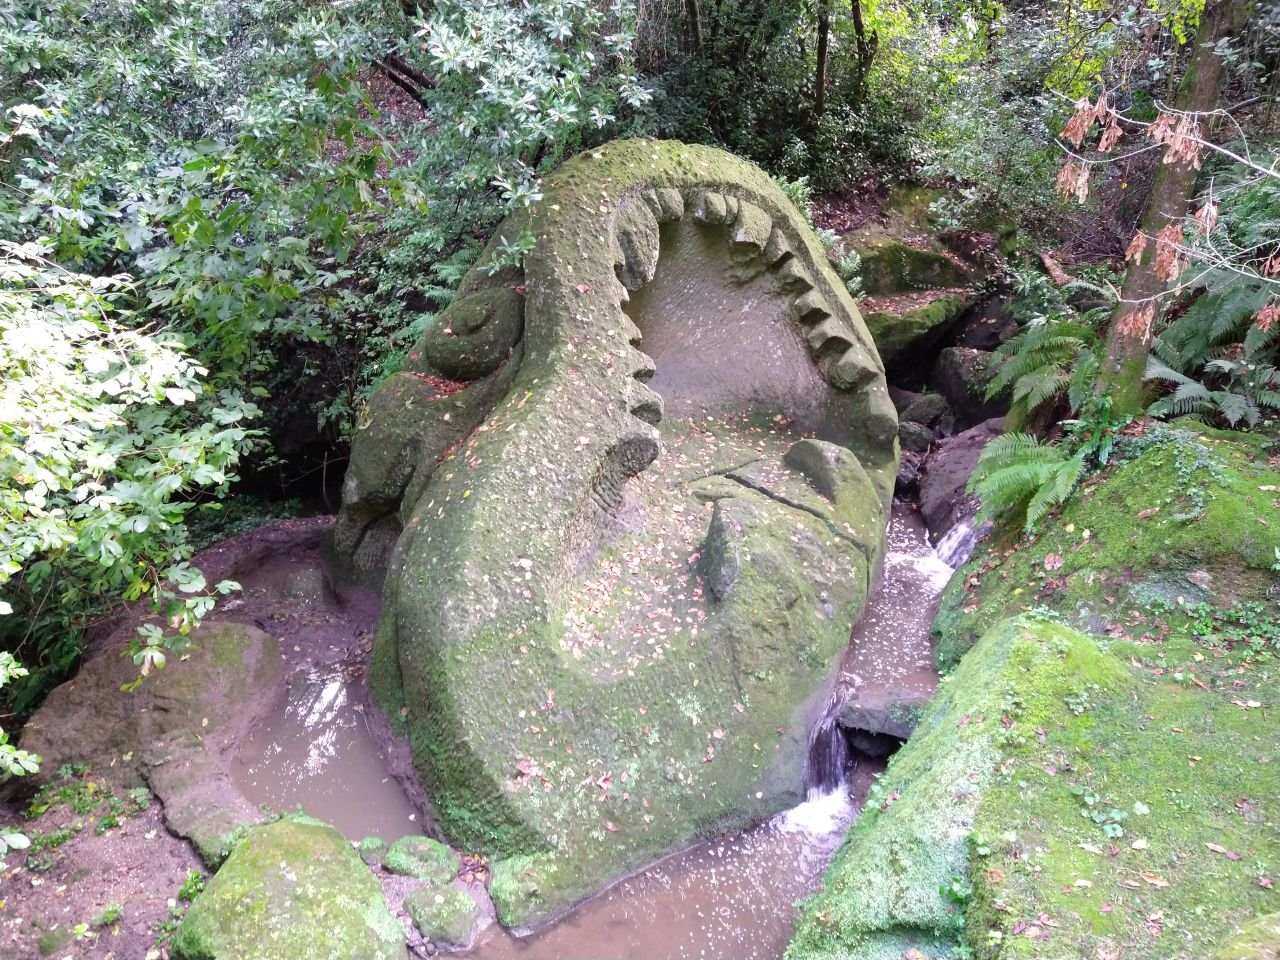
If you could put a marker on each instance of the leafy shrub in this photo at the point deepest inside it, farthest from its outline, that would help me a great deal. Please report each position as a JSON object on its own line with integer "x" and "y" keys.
{"x": 107, "y": 436}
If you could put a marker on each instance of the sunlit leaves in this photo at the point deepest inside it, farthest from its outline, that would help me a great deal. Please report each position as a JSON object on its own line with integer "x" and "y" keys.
{"x": 106, "y": 434}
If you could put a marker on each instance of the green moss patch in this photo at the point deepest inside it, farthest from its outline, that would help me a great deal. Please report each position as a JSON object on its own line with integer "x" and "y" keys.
{"x": 1191, "y": 515}
{"x": 443, "y": 914}
{"x": 422, "y": 858}
{"x": 900, "y": 881}
{"x": 292, "y": 890}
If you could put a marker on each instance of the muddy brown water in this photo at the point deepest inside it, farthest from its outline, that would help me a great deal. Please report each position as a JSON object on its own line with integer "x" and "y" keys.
{"x": 318, "y": 752}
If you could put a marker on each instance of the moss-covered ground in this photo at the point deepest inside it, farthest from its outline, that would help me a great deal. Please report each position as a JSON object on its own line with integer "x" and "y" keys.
{"x": 1098, "y": 776}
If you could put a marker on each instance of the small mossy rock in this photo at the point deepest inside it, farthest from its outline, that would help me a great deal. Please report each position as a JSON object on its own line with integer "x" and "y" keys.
{"x": 904, "y": 328}
{"x": 423, "y": 858}
{"x": 915, "y": 437}
{"x": 444, "y": 915}
{"x": 1258, "y": 940}
{"x": 893, "y": 266}
{"x": 961, "y": 375}
{"x": 723, "y": 550}
{"x": 372, "y": 850}
{"x": 927, "y": 408}
{"x": 292, "y": 890}
{"x": 475, "y": 334}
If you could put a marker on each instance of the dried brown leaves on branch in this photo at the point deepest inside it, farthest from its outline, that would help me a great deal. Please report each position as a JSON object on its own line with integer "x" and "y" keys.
{"x": 1171, "y": 257}
{"x": 1179, "y": 133}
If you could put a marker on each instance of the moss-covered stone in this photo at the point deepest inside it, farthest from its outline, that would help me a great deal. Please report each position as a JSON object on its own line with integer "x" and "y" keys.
{"x": 372, "y": 850}
{"x": 444, "y": 915}
{"x": 1257, "y": 940}
{"x": 1181, "y": 500}
{"x": 292, "y": 890}
{"x": 422, "y": 858}
{"x": 1099, "y": 794}
{"x": 474, "y": 335}
{"x": 902, "y": 331}
{"x": 894, "y": 266}
{"x": 886, "y": 891}
{"x": 577, "y": 699}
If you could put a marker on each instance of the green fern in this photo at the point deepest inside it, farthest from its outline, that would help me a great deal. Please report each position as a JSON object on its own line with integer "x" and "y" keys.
{"x": 1044, "y": 363}
{"x": 1019, "y": 476}
{"x": 1245, "y": 391}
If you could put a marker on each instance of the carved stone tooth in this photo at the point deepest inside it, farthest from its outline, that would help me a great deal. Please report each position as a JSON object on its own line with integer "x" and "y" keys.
{"x": 708, "y": 206}
{"x": 666, "y": 203}
{"x": 851, "y": 370}
{"x": 811, "y": 308}
{"x": 776, "y": 247}
{"x": 643, "y": 403}
{"x": 635, "y": 245}
{"x": 793, "y": 278}
{"x": 829, "y": 337}
{"x": 752, "y": 228}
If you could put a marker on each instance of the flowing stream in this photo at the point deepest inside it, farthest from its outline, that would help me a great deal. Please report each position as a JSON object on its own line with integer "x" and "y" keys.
{"x": 729, "y": 898}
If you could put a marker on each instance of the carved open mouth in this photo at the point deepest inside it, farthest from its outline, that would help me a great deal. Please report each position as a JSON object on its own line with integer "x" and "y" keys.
{"x": 629, "y": 498}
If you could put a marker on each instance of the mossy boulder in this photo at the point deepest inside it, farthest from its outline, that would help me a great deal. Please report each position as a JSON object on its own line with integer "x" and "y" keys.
{"x": 292, "y": 890}
{"x": 962, "y": 375}
{"x": 1096, "y": 777}
{"x": 445, "y": 915}
{"x": 475, "y": 334}
{"x": 423, "y": 859}
{"x": 372, "y": 850}
{"x": 903, "y": 327}
{"x": 579, "y": 696}
{"x": 887, "y": 891}
{"x": 1185, "y": 515}
{"x": 1257, "y": 940}
{"x": 894, "y": 266}
{"x": 171, "y": 731}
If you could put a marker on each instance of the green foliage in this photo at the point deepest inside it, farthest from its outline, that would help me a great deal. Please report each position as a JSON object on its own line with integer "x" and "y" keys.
{"x": 109, "y": 916}
{"x": 1043, "y": 364}
{"x": 1246, "y": 391}
{"x": 1218, "y": 356}
{"x": 192, "y": 886}
{"x": 108, "y": 434}
{"x": 1020, "y": 476}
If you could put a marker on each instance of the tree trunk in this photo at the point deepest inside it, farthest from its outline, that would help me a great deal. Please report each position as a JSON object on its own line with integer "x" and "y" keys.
{"x": 694, "y": 15}
{"x": 1141, "y": 296}
{"x": 867, "y": 46}
{"x": 820, "y": 77}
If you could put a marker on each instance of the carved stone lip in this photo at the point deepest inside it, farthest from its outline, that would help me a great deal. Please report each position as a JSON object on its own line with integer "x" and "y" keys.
{"x": 501, "y": 475}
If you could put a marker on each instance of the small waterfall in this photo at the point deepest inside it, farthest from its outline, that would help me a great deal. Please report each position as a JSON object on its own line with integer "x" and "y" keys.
{"x": 957, "y": 543}
{"x": 828, "y": 753}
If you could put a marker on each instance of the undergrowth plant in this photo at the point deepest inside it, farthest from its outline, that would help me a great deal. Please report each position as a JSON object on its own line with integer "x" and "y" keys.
{"x": 1219, "y": 360}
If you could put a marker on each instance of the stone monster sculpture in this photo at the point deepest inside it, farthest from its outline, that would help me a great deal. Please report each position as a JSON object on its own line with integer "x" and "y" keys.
{"x": 629, "y": 498}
